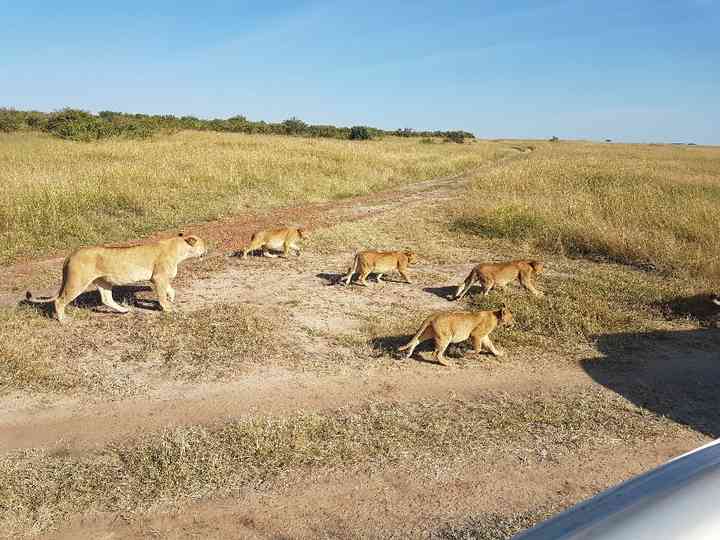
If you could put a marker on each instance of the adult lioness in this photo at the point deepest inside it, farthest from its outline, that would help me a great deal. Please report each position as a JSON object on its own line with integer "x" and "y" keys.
{"x": 108, "y": 266}
{"x": 489, "y": 275}
{"x": 456, "y": 326}
{"x": 284, "y": 240}
{"x": 380, "y": 262}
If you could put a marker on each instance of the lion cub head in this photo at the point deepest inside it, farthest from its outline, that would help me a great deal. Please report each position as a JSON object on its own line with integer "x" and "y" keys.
{"x": 411, "y": 256}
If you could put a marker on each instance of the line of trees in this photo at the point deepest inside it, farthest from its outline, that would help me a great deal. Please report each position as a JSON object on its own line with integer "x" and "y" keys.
{"x": 78, "y": 125}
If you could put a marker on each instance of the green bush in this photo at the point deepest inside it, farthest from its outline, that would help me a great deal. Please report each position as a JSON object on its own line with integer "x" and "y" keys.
{"x": 80, "y": 125}
{"x": 359, "y": 133}
{"x": 10, "y": 120}
{"x": 456, "y": 137}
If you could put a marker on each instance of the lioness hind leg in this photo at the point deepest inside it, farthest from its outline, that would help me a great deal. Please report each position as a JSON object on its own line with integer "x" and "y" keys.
{"x": 107, "y": 299}
{"x": 72, "y": 288}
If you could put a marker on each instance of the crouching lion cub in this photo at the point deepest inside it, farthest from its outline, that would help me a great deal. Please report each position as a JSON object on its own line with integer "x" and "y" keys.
{"x": 456, "y": 326}
{"x": 108, "y": 266}
{"x": 284, "y": 240}
{"x": 489, "y": 275}
{"x": 379, "y": 262}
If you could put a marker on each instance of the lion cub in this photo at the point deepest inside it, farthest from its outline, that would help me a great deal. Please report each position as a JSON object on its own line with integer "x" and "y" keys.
{"x": 105, "y": 267}
{"x": 489, "y": 275}
{"x": 284, "y": 240}
{"x": 456, "y": 326}
{"x": 379, "y": 262}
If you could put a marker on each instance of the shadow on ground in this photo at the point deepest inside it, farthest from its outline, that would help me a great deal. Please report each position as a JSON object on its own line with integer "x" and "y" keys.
{"x": 124, "y": 295}
{"x": 446, "y": 293}
{"x": 331, "y": 278}
{"x": 699, "y": 307}
{"x": 389, "y": 345}
{"x": 671, "y": 373}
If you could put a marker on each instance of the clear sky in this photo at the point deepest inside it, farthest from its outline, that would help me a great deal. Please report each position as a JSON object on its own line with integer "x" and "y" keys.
{"x": 633, "y": 70}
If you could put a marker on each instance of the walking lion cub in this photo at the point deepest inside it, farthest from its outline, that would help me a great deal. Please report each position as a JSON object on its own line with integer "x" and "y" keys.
{"x": 489, "y": 275}
{"x": 105, "y": 267}
{"x": 285, "y": 240}
{"x": 457, "y": 326}
{"x": 380, "y": 262}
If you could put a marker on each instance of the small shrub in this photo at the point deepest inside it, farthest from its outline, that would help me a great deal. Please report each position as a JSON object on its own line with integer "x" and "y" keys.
{"x": 509, "y": 222}
{"x": 456, "y": 137}
{"x": 10, "y": 120}
{"x": 554, "y": 139}
{"x": 77, "y": 125}
{"x": 359, "y": 133}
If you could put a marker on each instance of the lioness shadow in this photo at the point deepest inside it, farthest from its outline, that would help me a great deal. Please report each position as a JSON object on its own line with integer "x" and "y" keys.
{"x": 446, "y": 293}
{"x": 671, "y": 373}
{"x": 698, "y": 306}
{"x": 331, "y": 278}
{"x": 124, "y": 295}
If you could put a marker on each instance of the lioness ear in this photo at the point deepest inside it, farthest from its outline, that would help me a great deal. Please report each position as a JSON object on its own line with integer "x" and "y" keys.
{"x": 191, "y": 240}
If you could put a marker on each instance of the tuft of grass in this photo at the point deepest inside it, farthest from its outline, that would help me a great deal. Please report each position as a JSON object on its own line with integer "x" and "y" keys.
{"x": 57, "y": 194}
{"x": 106, "y": 354}
{"x": 214, "y": 343}
{"x": 577, "y": 308}
{"x": 509, "y": 222}
{"x": 491, "y": 526}
{"x": 39, "y": 488}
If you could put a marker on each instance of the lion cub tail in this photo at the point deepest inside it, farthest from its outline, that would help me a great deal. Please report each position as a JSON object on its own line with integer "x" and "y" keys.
{"x": 417, "y": 335}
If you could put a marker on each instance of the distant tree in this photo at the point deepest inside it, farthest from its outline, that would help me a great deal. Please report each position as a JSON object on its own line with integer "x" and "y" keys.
{"x": 10, "y": 120}
{"x": 293, "y": 126}
{"x": 359, "y": 133}
{"x": 554, "y": 139}
{"x": 455, "y": 136}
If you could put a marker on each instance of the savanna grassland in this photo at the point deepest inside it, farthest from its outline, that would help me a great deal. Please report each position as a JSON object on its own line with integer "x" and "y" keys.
{"x": 55, "y": 194}
{"x": 272, "y": 403}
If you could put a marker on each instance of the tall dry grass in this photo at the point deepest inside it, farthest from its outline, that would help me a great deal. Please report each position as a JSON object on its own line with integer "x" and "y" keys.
{"x": 57, "y": 194}
{"x": 652, "y": 206}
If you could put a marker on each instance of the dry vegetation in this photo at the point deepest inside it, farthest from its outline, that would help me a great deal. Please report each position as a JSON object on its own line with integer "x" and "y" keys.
{"x": 620, "y": 226}
{"x": 651, "y": 206}
{"x": 58, "y": 194}
{"x": 40, "y": 488}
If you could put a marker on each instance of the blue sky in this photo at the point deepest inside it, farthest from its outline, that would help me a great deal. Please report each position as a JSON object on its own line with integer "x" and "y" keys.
{"x": 633, "y": 70}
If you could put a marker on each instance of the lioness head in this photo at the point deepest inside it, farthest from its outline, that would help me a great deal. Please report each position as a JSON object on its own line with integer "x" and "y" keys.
{"x": 196, "y": 245}
{"x": 411, "y": 256}
{"x": 538, "y": 266}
